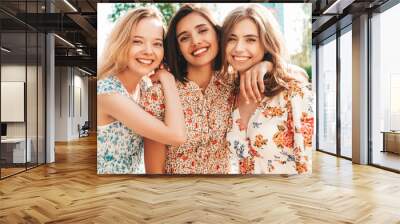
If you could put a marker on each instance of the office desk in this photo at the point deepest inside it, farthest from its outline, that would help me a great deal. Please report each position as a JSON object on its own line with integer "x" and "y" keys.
{"x": 16, "y": 148}
{"x": 391, "y": 141}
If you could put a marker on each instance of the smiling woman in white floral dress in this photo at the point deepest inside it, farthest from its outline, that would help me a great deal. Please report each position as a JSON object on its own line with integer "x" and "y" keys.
{"x": 274, "y": 135}
{"x": 134, "y": 49}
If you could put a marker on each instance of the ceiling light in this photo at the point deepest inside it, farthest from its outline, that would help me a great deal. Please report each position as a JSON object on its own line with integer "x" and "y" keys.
{"x": 70, "y": 5}
{"x": 329, "y": 9}
{"x": 337, "y": 7}
{"x": 65, "y": 41}
{"x": 5, "y": 49}
{"x": 84, "y": 71}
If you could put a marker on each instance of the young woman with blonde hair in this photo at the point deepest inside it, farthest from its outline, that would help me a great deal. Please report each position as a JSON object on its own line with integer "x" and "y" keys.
{"x": 273, "y": 136}
{"x": 134, "y": 49}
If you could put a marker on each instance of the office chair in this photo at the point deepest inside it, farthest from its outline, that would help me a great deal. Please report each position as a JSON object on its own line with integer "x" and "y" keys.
{"x": 84, "y": 130}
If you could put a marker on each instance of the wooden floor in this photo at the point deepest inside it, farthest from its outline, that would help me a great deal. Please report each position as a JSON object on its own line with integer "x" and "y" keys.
{"x": 10, "y": 171}
{"x": 69, "y": 191}
{"x": 387, "y": 159}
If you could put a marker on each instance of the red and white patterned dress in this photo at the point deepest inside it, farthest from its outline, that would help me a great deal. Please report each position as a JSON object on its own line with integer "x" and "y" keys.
{"x": 207, "y": 118}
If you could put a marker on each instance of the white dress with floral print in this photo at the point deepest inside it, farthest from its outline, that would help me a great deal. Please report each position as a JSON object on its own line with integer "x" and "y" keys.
{"x": 119, "y": 149}
{"x": 278, "y": 137}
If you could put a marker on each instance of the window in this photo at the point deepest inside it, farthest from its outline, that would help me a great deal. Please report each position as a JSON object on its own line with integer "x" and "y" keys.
{"x": 327, "y": 96}
{"x": 385, "y": 88}
{"x": 346, "y": 93}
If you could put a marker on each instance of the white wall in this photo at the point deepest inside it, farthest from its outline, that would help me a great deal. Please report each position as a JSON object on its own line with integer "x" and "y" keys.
{"x": 70, "y": 83}
{"x": 34, "y": 124}
{"x": 61, "y": 103}
{"x": 12, "y": 73}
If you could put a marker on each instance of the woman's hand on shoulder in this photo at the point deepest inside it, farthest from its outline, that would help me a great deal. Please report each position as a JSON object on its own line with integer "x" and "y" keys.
{"x": 252, "y": 84}
{"x": 162, "y": 75}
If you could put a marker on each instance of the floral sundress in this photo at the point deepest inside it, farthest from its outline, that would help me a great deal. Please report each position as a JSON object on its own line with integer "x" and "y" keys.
{"x": 119, "y": 149}
{"x": 207, "y": 116}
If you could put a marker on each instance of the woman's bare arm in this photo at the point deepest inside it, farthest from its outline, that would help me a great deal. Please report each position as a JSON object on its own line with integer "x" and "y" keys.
{"x": 123, "y": 109}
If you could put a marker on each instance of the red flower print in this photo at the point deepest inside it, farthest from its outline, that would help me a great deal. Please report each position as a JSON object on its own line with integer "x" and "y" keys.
{"x": 301, "y": 167}
{"x": 253, "y": 152}
{"x": 295, "y": 89}
{"x": 162, "y": 106}
{"x": 284, "y": 137}
{"x": 217, "y": 83}
{"x": 189, "y": 112}
{"x": 246, "y": 166}
{"x": 260, "y": 141}
{"x": 307, "y": 129}
{"x": 270, "y": 112}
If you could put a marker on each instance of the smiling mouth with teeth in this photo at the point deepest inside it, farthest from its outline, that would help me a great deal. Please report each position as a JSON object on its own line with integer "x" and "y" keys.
{"x": 240, "y": 58}
{"x": 199, "y": 51}
{"x": 145, "y": 61}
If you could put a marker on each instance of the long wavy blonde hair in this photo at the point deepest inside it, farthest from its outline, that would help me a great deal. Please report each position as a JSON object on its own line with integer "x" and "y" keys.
{"x": 115, "y": 54}
{"x": 271, "y": 39}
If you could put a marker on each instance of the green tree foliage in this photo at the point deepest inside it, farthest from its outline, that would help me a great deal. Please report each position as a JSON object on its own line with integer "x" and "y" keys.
{"x": 303, "y": 58}
{"x": 166, "y": 9}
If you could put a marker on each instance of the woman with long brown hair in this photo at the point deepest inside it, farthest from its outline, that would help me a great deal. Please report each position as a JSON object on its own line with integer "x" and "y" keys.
{"x": 273, "y": 136}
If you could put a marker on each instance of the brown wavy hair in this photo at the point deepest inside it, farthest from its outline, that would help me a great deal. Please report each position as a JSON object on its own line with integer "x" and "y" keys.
{"x": 115, "y": 54}
{"x": 271, "y": 38}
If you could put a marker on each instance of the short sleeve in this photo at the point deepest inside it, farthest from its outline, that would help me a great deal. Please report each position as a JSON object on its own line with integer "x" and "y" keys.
{"x": 302, "y": 98}
{"x": 109, "y": 85}
{"x": 153, "y": 101}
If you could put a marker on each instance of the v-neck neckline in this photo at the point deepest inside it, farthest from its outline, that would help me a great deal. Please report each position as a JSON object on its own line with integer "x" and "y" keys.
{"x": 238, "y": 114}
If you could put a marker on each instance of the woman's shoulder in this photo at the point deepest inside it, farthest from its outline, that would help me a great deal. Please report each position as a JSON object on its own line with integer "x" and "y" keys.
{"x": 110, "y": 84}
{"x": 151, "y": 88}
{"x": 297, "y": 73}
{"x": 296, "y": 87}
